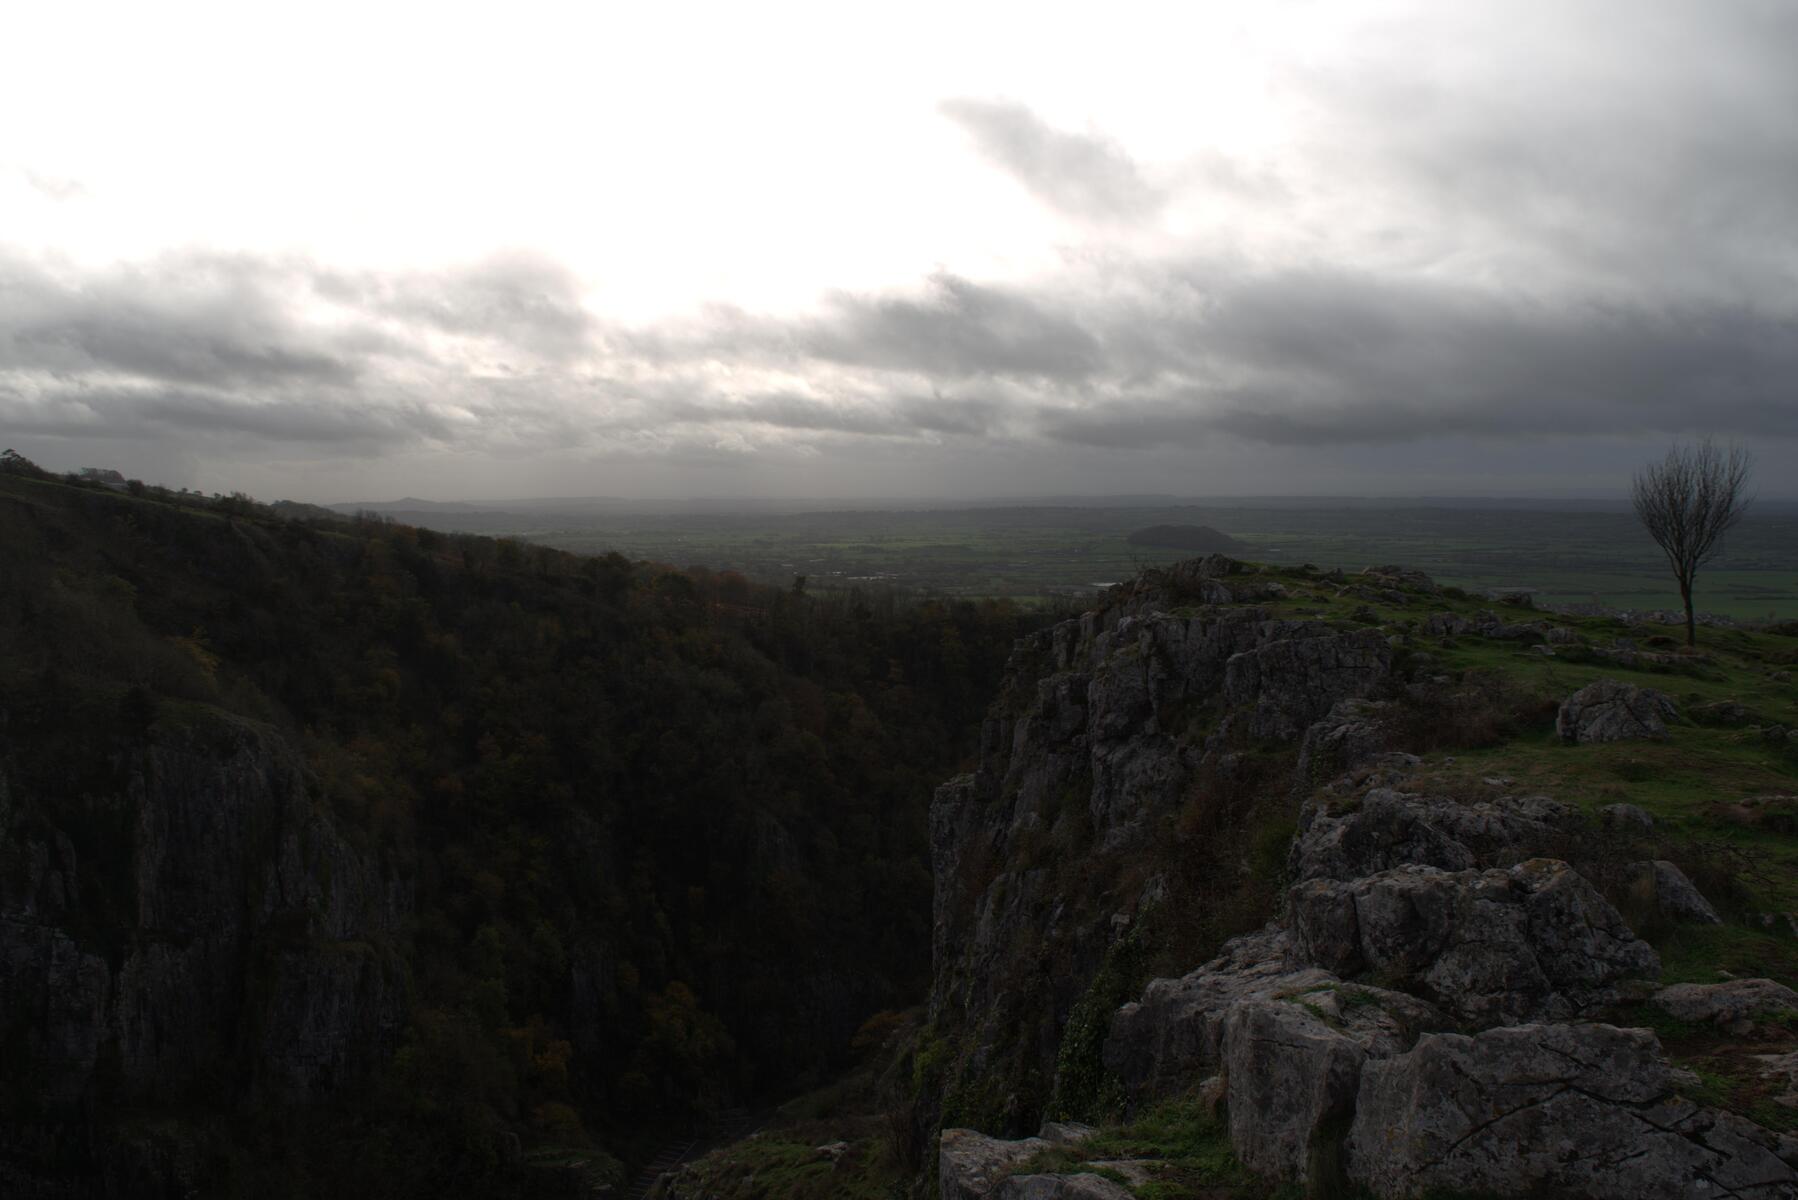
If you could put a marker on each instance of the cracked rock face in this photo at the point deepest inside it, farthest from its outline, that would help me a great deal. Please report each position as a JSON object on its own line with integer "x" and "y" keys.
{"x": 1536, "y": 940}
{"x": 1531, "y": 1110}
{"x": 971, "y": 1165}
{"x": 1177, "y": 1032}
{"x": 256, "y": 938}
{"x": 1291, "y": 1078}
{"x": 1389, "y": 828}
{"x": 1174, "y": 1034}
{"x": 1610, "y": 711}
{"x": 1290, "y": 681}
{"x": 1352, "y": 733}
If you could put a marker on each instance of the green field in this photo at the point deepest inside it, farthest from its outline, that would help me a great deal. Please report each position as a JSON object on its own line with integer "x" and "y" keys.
{"x": 1563, "y": 556}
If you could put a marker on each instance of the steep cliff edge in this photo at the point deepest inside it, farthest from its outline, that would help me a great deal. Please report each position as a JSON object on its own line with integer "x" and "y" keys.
{"x": 1442, "y": 982}
{"x": 1179, "y": 700}
{"x": 220, "y": 942}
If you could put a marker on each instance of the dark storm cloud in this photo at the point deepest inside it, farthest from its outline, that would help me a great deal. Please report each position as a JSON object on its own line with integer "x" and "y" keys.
{"x": 1078, "y": 174}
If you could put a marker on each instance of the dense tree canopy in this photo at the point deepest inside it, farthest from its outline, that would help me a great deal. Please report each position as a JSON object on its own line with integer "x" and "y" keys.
{"x": 689, "y": 807}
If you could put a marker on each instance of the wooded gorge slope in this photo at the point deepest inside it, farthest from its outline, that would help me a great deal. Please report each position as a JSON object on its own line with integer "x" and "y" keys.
{"x": 341, "y": 851}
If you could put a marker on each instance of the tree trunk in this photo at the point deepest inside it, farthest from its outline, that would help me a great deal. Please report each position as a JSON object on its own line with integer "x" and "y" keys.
{"x": 1685, "y": 593}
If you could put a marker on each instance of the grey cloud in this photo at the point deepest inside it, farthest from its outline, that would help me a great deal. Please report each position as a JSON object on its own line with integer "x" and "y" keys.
{"x": 878, "y": 416}
{"x": 520, "y": 300}
{"x": 1603, "y": 252}
{"x": 235, "y": 347}
{"x": 959, "y": 329}
{"x": 154, "y": 415}
{"x": 1335, "y": 358}
{"x": 1598, "y": 142}
{"x": 183, "y": 349}
{"x": 1169, "y": 354}
{"x": 188, "y": 319}
{"x": 1081, "y": 175}
{"x": 953, "y": 328}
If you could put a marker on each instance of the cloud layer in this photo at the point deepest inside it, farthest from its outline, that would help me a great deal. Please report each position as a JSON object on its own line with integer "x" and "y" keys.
{"x": 1439, "y": 252}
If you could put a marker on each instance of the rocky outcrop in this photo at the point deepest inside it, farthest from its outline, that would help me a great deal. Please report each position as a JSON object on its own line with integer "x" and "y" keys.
{"x": 1484, "y": 624}
{"x": 1567, "y": 1110}
{"x": 1626, "y": 819}
{"x": 1349, "y": 837}
{"x": 1107, "y": 726}
{"x": 1534, "y": 941}
{"x": 1298, "y": 673}
{"x": 1423, "y": 1014}
{"x": 1333, "y": 1084}
{"x": 1351, "y": 733}
{"x": 1735, "y": 1005}
{"x": 1610, "y": 711}
{"x": 971, "y": 1165}
{"x": 1175, "y": 1034}
{"x": 1670, "y": 893}
{"x": 1396, "y": 576}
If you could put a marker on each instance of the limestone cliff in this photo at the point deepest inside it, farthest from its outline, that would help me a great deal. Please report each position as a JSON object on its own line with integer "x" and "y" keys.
{"x": 1180, "y": 693}
{"x": 216, "y": 940}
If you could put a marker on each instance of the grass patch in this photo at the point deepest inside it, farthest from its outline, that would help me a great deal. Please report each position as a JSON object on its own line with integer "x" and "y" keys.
{"x": 1187, "y": 1152}
{"x": 1713, "y": 953}
{"x": 793, "y": 1164}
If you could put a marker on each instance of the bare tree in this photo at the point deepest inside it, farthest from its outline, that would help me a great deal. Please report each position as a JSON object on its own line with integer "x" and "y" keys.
{"x": 1687, "y": 502}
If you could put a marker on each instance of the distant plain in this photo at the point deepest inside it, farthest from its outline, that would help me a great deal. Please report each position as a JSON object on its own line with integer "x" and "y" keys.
{"x": 1582, "y": 553}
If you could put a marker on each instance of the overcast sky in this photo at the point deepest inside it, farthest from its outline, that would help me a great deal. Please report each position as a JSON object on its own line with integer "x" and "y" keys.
{"x": 357, "y": 251}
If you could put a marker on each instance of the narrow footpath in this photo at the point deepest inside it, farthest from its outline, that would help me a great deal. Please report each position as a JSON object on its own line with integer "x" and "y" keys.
{"x": 730, "y": 1125}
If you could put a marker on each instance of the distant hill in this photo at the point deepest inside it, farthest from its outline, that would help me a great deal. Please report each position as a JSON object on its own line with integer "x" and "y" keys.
{"x": 295, "y": 510}
{"x": 403, "y": 504}
{"x": 1200, "y": 539}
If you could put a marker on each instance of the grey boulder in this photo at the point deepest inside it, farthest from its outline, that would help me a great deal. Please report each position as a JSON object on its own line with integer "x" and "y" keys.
{"x": 1735, "y": 1005}
{"x": 1080, "y": 1186}
{"x": 971, "y": 1165}
{"x": 1612, "y": 711}
{"x": 1673, "y": 895}
{"x": 1532, "y": 942}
